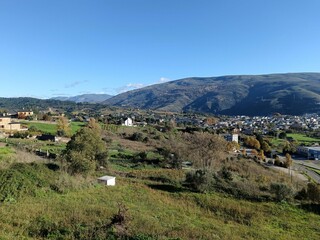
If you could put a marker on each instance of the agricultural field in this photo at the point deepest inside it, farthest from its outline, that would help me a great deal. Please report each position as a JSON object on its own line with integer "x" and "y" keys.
{"x": 51, "y": 127}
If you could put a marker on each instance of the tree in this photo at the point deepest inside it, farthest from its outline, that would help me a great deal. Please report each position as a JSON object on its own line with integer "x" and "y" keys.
{"x": 86, "y": 151}
{"x": 204, "y": 149}
{"x": 265, "y": 147}
{"x": 262, "y": 156}
{"x": 288, "y": 148}
{"x": 63, "y": 127}
{"x": 47, "y": 117}
{"x": 283, "y": 135}
{"x": 288, "y": 161}
{"x": 232, "y": 146}
{"x": 252, "y": 142}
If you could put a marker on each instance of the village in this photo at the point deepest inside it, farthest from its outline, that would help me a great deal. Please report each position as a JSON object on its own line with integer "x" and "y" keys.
{"x": 254, "y": 158}
{"x": 234, "y": 128}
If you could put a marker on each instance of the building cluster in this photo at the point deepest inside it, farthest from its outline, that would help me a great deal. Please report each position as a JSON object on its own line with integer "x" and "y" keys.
{"x": 9, "y": 122}
{"x": 265, "y": 124}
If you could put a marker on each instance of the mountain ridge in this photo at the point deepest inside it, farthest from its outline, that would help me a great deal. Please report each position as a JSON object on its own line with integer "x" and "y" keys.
{"x": 85, "y": 98}
{"x": 287, "y": 93}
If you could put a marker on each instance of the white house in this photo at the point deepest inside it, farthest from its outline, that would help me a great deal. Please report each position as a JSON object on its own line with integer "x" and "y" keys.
{"x": 128, "y": 122}
{"x": 108, "y": 180}
{"x": 231, "y": 137}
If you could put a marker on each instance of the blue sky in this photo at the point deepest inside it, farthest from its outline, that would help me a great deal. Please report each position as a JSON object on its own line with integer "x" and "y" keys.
{"x": 68, "y": 47}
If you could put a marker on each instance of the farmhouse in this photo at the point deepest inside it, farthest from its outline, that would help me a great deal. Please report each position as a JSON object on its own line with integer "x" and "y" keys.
{"x": 108, "y": 180}
{"x": 23, "y": 114}
{"x": 6, "y": 124}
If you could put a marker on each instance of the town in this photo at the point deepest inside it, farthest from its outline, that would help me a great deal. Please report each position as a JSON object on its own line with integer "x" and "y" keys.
{"x": 278, "y": 134}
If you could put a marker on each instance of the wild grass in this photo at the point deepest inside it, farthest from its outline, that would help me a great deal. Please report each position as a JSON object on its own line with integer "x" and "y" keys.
{"x": 155, "y": 213}
{"x": 5, "y": 151}
{"x": 40, "y": 201}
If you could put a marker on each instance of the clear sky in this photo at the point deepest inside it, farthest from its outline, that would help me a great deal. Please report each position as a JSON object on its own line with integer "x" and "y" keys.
{"x": 68, "y": 47}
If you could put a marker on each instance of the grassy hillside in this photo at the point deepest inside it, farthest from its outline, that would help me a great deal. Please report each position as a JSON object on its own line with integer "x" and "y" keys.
{"x": 155, "y": 213}
{"x": 40, "y": 200}
{"x": 294, "y": 93}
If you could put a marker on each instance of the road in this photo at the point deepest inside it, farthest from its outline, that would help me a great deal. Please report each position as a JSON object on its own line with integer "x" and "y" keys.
{"x": 300, "y": 166}
{"x": 308, "y": 164}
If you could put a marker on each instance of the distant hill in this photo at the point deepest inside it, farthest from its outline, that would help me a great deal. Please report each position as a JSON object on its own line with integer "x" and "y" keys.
{"x": 14, "y": 104}
{"x": 291, "y": 93}
{"x": 85, "y": 98}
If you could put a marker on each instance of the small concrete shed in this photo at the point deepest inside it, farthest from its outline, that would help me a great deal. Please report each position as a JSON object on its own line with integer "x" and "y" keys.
{"x": 108, "y": 180}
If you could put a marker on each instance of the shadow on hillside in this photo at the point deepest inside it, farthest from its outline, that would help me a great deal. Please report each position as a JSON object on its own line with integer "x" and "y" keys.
{"x": 311, "y": 207}
{"x": 166, "y": 188}
{"x": 53, "y": 166}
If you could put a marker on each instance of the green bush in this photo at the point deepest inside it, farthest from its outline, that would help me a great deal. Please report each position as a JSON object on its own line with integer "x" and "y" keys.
{"x": 200, "y": 180}
{"x": 281, "y": 191}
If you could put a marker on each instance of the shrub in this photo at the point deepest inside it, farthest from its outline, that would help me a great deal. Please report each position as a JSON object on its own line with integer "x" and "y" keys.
{"x": 281, "y": 191}
{"x": 313, "y": 192}
{"x": 137, "y": 136}
{"x": 200, "y": 180}
{"x": 226, "y": 174}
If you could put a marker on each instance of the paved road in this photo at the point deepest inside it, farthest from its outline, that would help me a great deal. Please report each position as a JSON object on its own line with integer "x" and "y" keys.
{"x": 300, "y": 167}
{"x": 308, "y": 164}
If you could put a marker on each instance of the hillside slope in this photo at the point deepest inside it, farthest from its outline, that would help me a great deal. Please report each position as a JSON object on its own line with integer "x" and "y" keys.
{"x": 85, "y": 98}
{"x": 291, "y": 93}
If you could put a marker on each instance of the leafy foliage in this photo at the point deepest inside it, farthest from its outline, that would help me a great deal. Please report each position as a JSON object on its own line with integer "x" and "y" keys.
{"x": 86, "y": 151}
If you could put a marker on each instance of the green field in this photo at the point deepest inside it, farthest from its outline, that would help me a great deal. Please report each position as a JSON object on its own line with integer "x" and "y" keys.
{"x": 51, "y": 128}
{"x": 298, "y": 137}
{"x": 302, "y": 138}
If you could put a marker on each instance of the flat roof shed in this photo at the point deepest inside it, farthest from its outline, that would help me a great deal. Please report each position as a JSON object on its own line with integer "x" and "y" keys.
{"x": 108, "y": 180}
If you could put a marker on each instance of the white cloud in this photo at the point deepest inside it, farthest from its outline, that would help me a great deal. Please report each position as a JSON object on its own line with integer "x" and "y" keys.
{"x": 130, "y": 86}
{"x": 61, "y": 94}
{"x": 163, "y": 80}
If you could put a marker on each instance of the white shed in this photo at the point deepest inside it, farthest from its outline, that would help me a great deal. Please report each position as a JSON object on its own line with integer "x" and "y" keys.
{"x": 108, "y": 180}
{"x": 128, "y": 122}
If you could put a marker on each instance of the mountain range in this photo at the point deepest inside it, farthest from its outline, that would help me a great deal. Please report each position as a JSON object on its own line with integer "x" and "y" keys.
{"x": 85, "y": 98}
{"x": 289, "y": 93}
{"x": 253, "y": 95}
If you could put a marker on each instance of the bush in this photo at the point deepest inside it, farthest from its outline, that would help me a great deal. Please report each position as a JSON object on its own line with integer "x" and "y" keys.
{"x": 137, "y": 137}
{"x": 226, "y": 174}
{"x": 200, "y": 180}
{"x": 281, "y": 191}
